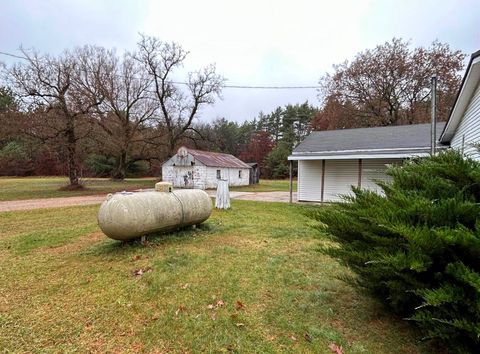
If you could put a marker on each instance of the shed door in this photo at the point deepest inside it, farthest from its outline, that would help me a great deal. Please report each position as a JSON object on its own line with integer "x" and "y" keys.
{"x": 183, "y": 177}
{"x": 340, "y": 176}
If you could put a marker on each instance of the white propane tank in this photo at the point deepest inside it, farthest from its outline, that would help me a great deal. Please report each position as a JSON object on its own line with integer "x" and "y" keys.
{"x": 129, "y": 215}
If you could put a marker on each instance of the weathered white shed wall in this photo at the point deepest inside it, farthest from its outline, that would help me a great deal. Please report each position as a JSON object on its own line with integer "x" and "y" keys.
{"x": 203, "y": 177}
{"x": 469, "y": 128}
{"x": 185, "y": 176}
{"x": 230, "y": 174}
{"x": 239, "y": 177}
{"x": 167, "y": 173}
{"x": 189, "y": 172}
{"x": 309, "y": 185}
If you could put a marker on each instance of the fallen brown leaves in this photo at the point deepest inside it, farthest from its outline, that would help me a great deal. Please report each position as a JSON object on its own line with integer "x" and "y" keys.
{"x": 141, "y": 271}
{"x": 182, "y": 308}
{"x": 219, "y": 303}
{"x": 335, "y": 348}
{"x": 239, "y": 305}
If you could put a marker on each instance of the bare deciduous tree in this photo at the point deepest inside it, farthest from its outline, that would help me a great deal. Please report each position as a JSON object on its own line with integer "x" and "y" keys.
{"x": 177, "y": 106}
{"x": 54, "y": 89}
{"x": 127, "y": 106}
{"x": 390, "y": 85}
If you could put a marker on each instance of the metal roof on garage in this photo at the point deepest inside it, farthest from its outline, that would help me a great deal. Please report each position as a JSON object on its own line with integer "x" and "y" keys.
{"x": 217, "y": 159}
{"x": 399, "y": 140}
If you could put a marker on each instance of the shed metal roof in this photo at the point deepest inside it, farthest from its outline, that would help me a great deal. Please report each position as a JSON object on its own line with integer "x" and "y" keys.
{"x": 217, "y": 159}
{"x": 398, "y": 140}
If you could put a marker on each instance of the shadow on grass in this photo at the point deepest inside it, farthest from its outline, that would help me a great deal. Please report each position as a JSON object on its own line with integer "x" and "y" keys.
{"x": 180, "y": 236}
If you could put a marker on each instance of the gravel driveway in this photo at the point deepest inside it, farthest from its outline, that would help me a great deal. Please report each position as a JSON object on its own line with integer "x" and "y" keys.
{"x": 12, "y": 205}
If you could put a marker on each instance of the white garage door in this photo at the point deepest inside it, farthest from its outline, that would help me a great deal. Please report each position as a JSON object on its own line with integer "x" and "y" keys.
{"x": 340, "y": 175}
{"x": 310, "y": 180}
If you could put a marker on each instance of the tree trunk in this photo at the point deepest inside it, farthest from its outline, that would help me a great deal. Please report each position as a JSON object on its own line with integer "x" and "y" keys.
{"x": 172, "y": 151}
{"x": 121, "y": 170}
{"x": 72, "y": 155}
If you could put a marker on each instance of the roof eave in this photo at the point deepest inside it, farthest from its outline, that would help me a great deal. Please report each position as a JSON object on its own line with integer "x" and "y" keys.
{"x": 363, "y": 154}
{"x": 358, "y": 156}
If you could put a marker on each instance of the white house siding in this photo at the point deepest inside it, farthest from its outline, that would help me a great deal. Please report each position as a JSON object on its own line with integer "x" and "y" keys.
{"x": 374, "y": 169}
{"x": 340, "y": 176}
{"x": 310, "y": 180}
{"x": 469, "y": 128}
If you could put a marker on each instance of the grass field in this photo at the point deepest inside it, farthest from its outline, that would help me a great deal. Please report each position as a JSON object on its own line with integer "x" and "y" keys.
{"x": 17, "y": 188}
{"x": 49, "y": 187}
{"x": 250, "y": 280}
{"x": 268, "y": 185}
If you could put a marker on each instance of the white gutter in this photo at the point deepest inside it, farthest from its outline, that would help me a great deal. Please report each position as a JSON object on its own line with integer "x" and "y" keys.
{"x": 360, "y": 150}
{"x": 357, "y": 156}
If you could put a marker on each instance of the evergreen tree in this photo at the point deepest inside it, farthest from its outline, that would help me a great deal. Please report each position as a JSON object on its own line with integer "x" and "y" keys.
{"x": 296, "y": 123}
{"x": 7, "y": 100}
{"x": 276, "y": 162}
{"x": 417, "y": 247}
{"x": 226, "y": 136}
{"x": 275, "y": 124}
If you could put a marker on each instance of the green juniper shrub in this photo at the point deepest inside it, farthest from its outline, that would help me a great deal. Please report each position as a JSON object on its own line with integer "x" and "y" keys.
{"x": 417, "y": 247}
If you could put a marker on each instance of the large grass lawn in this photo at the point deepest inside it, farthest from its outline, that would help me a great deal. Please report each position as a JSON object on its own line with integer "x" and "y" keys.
{"x": 16, "y": 188}
{"x": 250, "y": 280}
{"x": 268, "y": 185}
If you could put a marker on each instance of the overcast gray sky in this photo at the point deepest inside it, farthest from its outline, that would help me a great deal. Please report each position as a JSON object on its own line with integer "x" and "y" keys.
{"x": 252, "y": 42}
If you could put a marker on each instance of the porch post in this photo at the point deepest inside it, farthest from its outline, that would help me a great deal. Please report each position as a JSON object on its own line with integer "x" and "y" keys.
{"x": 291, "y": 180}
{"x": 322, "y": 187}
{"x": 360, "y": 163}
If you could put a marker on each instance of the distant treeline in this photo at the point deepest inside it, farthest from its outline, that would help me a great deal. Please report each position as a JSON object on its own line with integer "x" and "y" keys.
{"x": 92, "y": 112}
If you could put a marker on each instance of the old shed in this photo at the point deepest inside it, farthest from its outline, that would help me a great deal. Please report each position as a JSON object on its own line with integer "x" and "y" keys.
{"x": 190, "y": 168}
{"x": 254, "y": 172}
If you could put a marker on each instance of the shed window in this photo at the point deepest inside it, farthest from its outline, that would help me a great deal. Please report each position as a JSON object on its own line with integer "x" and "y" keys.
{"x": 240, "y": 174}
{"x": 219, "y": 174}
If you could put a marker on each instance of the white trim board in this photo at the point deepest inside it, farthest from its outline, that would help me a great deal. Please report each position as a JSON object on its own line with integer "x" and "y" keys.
{"x": 466, "y": 92}
{"x": 354, "y": 156}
